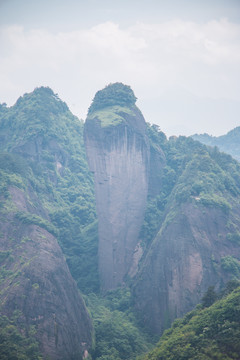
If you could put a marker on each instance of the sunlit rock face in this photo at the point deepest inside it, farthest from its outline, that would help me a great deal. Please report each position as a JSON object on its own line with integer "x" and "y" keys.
{"x": 118, "y": 155}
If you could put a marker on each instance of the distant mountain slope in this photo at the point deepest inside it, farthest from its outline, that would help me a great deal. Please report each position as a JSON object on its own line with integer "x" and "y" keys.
{"x": 205, "y": 333}
{"x": 229, "y": 143}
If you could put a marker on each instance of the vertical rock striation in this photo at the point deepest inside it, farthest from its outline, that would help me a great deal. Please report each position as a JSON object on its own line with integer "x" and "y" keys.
{"x": 118, "y": 155}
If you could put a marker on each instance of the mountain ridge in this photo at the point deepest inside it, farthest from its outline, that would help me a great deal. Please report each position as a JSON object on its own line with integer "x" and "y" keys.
{"x": 181, "y": 198}
{"x": 228, "y": 143}
{"x": 35, "y": 278}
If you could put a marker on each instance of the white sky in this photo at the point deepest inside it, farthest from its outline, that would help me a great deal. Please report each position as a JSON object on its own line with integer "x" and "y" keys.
{"x": 181, "y": 57}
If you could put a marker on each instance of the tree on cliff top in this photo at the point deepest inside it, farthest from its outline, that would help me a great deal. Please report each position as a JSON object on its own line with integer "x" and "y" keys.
{"x": 113, "y": 94}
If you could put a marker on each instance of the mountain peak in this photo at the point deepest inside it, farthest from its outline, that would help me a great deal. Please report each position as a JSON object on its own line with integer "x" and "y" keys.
{"x": 43, "y": 97}
{"x": 112, "y": 95}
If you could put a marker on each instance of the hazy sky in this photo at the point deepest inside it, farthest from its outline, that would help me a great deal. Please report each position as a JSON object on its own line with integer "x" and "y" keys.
{"x": 181, "y": 58}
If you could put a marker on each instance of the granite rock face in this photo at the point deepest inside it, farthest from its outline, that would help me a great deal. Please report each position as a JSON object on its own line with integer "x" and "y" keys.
{"x": 191, "y": 239}
{"x": 39, "y": 285}
{"x": 118, "y": 155}
{"x": 182, "y": 262}
{"x": 198, "y": 213}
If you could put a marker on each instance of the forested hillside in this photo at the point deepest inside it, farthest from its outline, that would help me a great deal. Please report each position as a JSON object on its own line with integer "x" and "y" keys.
{"x": 211, "y": 331}
{"x": 192, "y": 224}
{"x": 43, "y": 140}
{"x": 109, "y": 231}
{"x": 229, "y": 143}
{"x": 47, "y": 195}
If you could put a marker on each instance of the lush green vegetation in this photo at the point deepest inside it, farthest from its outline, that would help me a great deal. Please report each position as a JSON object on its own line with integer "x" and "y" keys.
{"x": 27, "y": 218}
{"x": 16, "y": 344}
{"x": 111, "y": 95}
{"x": 192, "y": 173}
{"x": 205, "y": 333}
{"x": 110, "y": 115}
{"x": 117, "y": 332}
{"x": 229, "y": 143}
{"x": 234, "y": 238}
{"x": 13, "y": 163}
{"x": 52, "y": 166}
{"x": 232, "y": 265}
{"x": 43, "y": 152}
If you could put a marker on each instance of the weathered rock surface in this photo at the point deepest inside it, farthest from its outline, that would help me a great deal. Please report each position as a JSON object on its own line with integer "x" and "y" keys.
{"x": 36, "y": 281}
{"x": 191, "y": 227}
{"x": 183, "y": 261}
{"x": 118, "y": 155}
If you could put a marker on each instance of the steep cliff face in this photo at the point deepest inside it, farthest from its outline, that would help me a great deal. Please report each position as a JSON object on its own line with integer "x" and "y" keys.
{"x": 118, "y": 155}
{"x": 168, "y": 217}
{"x": 185, "y": 259}
{"x": 197, "y": 245}
{"x": 37, "y": 283}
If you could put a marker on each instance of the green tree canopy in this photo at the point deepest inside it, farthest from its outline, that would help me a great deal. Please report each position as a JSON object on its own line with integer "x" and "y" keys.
{"x": 113, "y": 94}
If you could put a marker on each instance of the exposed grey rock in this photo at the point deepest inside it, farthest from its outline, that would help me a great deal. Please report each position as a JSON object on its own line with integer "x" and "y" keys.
{"x": 40, "y": 286}
{"x": 118, "y": 155}
{"x": 183, "y": 261}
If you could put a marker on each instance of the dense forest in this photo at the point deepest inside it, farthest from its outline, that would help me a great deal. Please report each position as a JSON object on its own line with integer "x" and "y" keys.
{"x": 49, "y": 208}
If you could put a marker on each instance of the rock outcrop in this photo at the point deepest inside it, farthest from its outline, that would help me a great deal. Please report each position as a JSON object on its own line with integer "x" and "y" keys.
{"x": 197, "y": 244}
{"x": 168, "y": 217}
{"x": 118, "y": 155}
{"x": 37, "y": 283}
